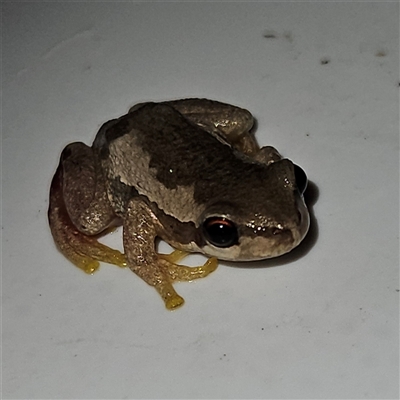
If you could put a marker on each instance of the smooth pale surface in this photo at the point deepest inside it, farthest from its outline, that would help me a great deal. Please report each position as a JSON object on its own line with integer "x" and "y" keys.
{"x": 322, "y": 81}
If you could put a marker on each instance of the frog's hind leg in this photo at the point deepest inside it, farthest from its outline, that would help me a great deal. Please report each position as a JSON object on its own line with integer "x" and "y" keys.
{"x": 83, "y": 189}
{"x": 82, "y": 250}
{"x": 232, "y": 123}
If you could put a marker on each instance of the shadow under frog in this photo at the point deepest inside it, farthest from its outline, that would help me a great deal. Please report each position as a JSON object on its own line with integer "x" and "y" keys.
{"x": 187, "y": 171}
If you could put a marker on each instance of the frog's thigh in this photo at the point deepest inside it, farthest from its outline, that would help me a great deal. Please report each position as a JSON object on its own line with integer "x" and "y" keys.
{"x": 84, "y": 191}
{"x": 140, "y": 231}
{"x": 231, "y": 122}
{"x": 82, "y": 250}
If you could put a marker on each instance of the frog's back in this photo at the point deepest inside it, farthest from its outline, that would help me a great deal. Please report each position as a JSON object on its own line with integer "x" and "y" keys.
{"x": 158, "y": 153}
{"x": 179, "y": 151}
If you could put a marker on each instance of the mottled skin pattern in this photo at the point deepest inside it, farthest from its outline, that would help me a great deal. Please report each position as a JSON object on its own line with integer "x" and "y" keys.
{"x": 160, "y": 171}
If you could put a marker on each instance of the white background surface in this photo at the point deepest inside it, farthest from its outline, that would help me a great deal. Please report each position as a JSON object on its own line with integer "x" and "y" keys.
{"x": 322, "y": 322}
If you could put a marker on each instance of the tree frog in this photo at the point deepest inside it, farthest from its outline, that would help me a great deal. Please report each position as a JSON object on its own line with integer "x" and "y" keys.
{"x": 187, "y": 171}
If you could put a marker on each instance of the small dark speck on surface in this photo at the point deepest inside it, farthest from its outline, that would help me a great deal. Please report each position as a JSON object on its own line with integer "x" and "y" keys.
{"x": 269, "y": 34}
{"x": 397, "y": 290}
{"x": 262, "y": 329}
{"x": 325, "y": 60}
{"x": 381, "y": 53}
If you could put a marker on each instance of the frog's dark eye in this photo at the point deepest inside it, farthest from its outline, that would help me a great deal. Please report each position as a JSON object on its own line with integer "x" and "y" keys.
{"x": 220, "y": 232}
{"x": 301, "y": 179}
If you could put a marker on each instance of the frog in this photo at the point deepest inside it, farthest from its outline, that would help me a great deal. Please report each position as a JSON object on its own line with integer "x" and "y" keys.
{"x": 189, "y": 172}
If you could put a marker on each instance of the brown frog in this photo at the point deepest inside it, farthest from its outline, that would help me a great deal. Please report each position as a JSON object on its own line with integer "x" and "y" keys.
{"x": 187, "y": 171}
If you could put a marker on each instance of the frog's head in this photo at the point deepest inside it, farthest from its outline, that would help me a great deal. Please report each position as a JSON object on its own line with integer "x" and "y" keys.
{"x": 257, "y": 219}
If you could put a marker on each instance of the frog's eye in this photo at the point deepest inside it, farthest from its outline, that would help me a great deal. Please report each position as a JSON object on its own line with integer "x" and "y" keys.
{"x": 301, "y": 178}
{"x": 220, "y": 232}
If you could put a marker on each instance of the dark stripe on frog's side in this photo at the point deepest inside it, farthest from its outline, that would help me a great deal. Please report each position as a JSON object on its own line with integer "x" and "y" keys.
{"x": 174, "y": 230}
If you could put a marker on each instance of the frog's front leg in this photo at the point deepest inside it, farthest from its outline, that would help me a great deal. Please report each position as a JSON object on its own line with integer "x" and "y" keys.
{"x": 141, "y": 227}
{"x": 182, "y": 272}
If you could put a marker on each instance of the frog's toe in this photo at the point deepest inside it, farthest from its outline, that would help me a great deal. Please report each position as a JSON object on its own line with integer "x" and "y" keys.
{"x": 174, "y": 257}
{"x": 210, "y": 265}
{"x": 112, "y": 256}
{"x": 171, "y": 299}
{"x": 174, "y": 302}
{"x": 89, "y": 266}
{"x": 90, "y": 248}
